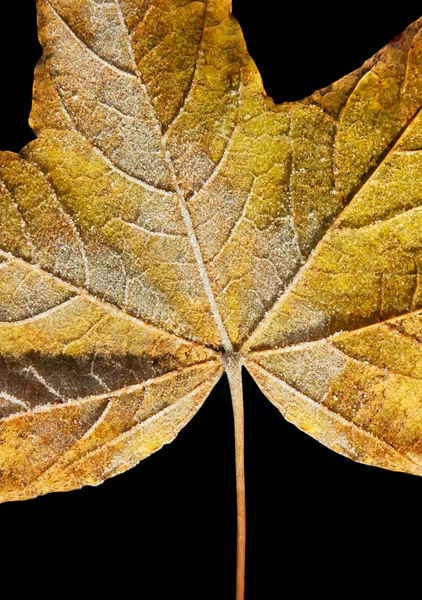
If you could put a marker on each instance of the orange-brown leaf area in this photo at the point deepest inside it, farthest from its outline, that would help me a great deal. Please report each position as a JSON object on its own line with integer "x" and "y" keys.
{"x": 169, "y": 217}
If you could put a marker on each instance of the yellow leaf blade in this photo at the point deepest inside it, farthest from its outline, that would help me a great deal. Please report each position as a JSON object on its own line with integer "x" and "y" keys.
{"x": 171, "y": 220}
{"x": 83, "y": 442}
{"x": 362, "y": 411}
{"x": 365, "y": 267}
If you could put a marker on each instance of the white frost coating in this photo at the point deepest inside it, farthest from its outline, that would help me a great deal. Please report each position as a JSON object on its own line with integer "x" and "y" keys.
{"x": 39, "y": 316}
{"x": 131, "y": 178}
{"x": 96, "y": 56}
{"x": 107, "y": 103}
{"x": 111, "y": 164}
{"x": 310, "y": 368}
{"x": 152, "y": 233}
{"x": 68, "y": 451}
{"x": 43, "y": 382}
{"x": 95, "y": 425}
{"x": 97, "y": 377}
{"x": 5, "y": 264}
{"x": 24, "y": 224}
{"x": 14, "y": 400}
{"x": 127, "y": 37}
{"x": 75, "y": 230}
{"x": 235, "y": 227}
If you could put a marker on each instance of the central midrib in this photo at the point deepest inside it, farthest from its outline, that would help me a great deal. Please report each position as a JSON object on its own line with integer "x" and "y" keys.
{"x": 225, "y": 338}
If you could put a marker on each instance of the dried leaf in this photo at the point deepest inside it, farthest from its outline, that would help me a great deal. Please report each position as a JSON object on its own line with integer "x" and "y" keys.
{"x": 170, "y": 222}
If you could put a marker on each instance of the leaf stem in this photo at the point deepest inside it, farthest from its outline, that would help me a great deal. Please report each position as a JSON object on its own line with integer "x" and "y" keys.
{"x": 233, "y": 364}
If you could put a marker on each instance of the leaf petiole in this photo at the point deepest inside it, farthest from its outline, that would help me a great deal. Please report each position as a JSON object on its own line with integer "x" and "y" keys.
{"x": 233, "y": 364}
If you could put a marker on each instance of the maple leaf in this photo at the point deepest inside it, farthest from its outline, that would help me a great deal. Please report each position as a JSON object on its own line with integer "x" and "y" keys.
{"x": 172, "y": 222}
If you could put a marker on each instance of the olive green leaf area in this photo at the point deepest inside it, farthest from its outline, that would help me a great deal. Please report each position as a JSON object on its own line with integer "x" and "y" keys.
{"x": 169, "y": 216}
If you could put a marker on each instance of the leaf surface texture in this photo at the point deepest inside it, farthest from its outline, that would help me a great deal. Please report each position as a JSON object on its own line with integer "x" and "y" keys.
{"x": 169, "y": 214}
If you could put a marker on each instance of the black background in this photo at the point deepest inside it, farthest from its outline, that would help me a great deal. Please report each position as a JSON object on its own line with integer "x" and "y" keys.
{"x": 165, "y": 529}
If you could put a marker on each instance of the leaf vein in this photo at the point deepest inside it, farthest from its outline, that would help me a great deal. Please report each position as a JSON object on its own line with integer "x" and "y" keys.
{"x": 107, "y": 306}
{"x": 194, "y": 74}
{"x": 96, "y": 56}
